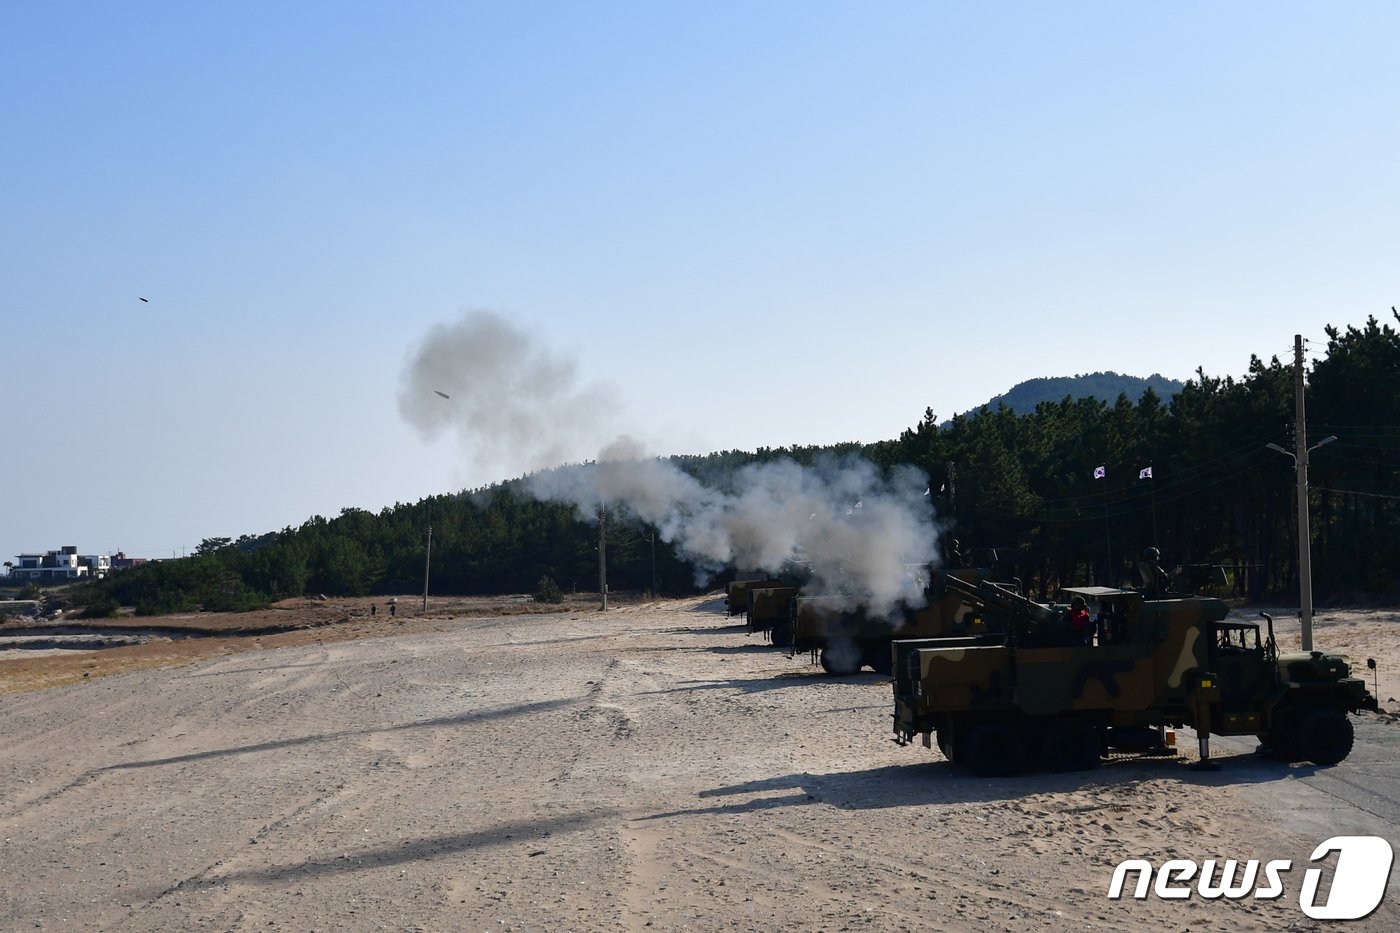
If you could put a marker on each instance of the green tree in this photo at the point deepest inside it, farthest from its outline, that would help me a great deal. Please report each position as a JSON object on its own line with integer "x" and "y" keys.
{"x": 547, "y": 591}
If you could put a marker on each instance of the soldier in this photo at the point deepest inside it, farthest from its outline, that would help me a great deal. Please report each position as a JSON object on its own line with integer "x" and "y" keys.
{"x": 1079, "y": 621}
{"x": 1153, "y": 580}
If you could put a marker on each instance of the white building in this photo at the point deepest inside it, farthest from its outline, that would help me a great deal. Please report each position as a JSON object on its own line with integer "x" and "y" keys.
{"x": 63, "y": 564}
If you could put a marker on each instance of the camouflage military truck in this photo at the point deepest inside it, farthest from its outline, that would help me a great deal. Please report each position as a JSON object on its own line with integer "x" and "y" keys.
{"x": 996, "y": 701}
{"x": 844, "y": 637}
{"x": 769, "y": 602}
{"x": 736, "y": 593}
{"x": 770, "y": 611}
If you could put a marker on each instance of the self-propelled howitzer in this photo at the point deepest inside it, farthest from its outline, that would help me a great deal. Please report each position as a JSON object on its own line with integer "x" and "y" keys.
{"x": 1038, "y": 689}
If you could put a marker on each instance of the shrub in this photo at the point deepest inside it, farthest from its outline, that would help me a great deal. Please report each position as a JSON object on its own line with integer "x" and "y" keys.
{"x": 31, "y": 590}
{"x": 233, "y": 597}
{"x": 103, "y": 608}
{"x": 547, "y": 591}
{"x": 161, "y": 604}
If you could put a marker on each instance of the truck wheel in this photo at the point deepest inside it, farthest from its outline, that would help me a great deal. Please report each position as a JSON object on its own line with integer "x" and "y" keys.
{"x": 781, "y": 634}
{"x": 1325, "y": 736}
{"x": 944, "y": 745}
{"x": 994, "y": 749}
{"x": 880, "y": 659}
{"x": 1280, "y": 743}
{"x": 840, "y": 660}
{"x": 1071, "y": 744}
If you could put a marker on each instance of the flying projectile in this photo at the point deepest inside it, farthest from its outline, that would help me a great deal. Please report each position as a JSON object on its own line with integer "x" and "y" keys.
{"x": 443, "y": 394}
{"x": 146, "y": 300}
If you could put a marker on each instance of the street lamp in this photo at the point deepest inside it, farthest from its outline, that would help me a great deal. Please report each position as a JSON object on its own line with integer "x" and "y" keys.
{"x": 1300, "y": 465}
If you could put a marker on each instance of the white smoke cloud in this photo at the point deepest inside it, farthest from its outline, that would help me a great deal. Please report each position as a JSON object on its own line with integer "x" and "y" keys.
{"x": 857, "y": 530}
{"x": 510, "y": 402}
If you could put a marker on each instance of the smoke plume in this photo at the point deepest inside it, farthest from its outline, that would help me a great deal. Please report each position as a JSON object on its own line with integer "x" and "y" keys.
{"x": 854, "y": 529}
{"x": 511, "y": 403}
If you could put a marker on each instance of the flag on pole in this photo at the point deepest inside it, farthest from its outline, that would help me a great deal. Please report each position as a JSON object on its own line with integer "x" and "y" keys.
{"x": 1145, "y": 473}
{"x": 1100, "y": 472}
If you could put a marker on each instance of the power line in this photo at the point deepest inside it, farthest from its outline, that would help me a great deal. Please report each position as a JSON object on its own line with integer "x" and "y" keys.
{"x": 1355, "y": 492}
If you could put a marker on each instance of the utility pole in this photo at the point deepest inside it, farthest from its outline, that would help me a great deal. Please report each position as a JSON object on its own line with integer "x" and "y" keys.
{"x": 1300, "y": 465}
{"x": 603, "y": 553}
{"x": 427, "y": 562}
{"x": 653, "y": 563}
{"x": 1300, "y": 459}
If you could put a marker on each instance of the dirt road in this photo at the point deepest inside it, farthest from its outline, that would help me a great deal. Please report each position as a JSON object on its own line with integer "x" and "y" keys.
{"x": 651, "y": 768}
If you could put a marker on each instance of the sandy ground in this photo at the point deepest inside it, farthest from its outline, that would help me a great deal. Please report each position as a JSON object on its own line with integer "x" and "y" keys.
{"x": 184, "y": 638}
{"x": 648, "y": 768}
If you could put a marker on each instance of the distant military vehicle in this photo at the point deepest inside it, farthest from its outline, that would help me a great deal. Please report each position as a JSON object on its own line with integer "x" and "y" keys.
{"x": 768, "y": 601}
{"x": 844, "y": 636}
{"x": 996, "y": 700}
{"x": 736, "y": 593}
{"x": 771, "y": 611}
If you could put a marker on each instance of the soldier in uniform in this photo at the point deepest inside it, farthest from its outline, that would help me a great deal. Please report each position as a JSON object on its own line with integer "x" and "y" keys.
{"x": 1153, "y": 580}
{"x": 1080, "y": 624}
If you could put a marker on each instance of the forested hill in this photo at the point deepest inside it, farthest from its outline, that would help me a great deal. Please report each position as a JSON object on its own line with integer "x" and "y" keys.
{"x": 1066, "y": 491}
{"x": 1106, "y": 387}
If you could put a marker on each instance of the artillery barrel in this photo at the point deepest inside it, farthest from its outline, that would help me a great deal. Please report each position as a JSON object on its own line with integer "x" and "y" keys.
{"x": 989, "y": 596}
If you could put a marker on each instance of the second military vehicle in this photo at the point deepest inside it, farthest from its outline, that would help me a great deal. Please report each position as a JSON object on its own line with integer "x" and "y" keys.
{"x": 845, "y": 636}
{"x": 771, "y": 611}
{"x": 736, "y": 593}
{"x": 1037, "y": 689}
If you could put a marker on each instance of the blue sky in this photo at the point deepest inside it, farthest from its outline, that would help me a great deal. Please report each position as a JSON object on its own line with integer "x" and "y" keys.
{"x": 758, "y": 223}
